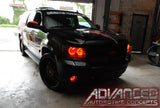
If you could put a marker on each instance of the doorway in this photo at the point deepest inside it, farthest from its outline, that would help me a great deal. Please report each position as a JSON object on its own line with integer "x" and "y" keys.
{"x": 138, "y": 32}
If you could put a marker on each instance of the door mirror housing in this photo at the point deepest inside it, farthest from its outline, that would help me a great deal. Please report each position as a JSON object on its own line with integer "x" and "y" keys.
{"x": 33, "y": 24}
{"x": 98, "y": 26}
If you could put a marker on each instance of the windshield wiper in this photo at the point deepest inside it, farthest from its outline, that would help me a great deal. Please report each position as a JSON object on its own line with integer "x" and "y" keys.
{"x": 58, "y": 27}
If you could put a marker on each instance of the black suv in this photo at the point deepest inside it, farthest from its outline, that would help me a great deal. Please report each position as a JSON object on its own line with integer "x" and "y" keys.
{"x": 70, "y": 49}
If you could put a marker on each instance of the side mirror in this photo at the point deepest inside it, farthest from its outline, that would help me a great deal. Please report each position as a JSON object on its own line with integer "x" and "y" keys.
{"x": 98, "y": 26}
{"x": 33, "y": 24}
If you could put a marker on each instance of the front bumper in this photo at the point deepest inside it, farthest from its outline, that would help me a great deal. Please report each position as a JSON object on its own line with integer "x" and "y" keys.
{"x": 86, "y": 72}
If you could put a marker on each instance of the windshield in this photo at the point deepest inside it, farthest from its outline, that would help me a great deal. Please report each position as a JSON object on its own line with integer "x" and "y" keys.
{"x": 64, "y": 19}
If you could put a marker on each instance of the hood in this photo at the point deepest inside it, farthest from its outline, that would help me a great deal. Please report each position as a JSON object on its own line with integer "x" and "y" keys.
{"x": 81, "y": 36}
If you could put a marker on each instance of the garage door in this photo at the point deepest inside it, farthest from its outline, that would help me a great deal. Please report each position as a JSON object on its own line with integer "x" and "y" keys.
{"x": 138, "y": 31}
{"x": 81, "y": 1}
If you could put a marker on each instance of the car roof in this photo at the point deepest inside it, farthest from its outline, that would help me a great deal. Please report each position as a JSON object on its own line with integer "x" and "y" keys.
{"x": 47, "y": 9}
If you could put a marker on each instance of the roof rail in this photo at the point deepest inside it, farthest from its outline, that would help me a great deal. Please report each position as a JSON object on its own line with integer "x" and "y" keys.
{"x": 44, "y": 8}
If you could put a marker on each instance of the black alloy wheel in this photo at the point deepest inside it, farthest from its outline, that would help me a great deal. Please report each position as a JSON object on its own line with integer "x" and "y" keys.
{"x": 48, "y": 72}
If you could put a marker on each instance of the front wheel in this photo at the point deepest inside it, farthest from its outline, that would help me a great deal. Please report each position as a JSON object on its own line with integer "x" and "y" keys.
{"x": 118, "y": 74}
{"x": 48, "y": 72}
{"x": 154, "y": 55}
{"x": 22, "y": 48}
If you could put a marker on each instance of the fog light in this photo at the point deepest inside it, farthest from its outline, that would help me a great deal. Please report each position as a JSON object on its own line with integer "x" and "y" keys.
{"x": 73, "y": 78}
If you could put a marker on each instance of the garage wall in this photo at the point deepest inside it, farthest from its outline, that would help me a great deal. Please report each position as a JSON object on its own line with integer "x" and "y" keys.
{"x": 115, "y": 5}
{"x": 98, "y": 13}
{"x": 156, "y": 23}
{"x": 138, "y": 7}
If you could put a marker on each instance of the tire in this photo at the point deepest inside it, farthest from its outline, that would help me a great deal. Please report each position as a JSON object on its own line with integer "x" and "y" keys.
{"x": 22, "y": 48}
{"x": 117, "y": 75}
{"x": 48, "y": 72}
{"x": 154, "y": 55}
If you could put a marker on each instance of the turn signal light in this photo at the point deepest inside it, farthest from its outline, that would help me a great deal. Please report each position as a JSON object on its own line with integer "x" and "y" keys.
{"x": 128, "y": 48}
{"x": 73, "y": 78}
{"x": 76, "y": 52}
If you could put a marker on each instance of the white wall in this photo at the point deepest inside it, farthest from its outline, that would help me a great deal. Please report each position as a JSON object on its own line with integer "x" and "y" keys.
{"x": 99, "y": 12}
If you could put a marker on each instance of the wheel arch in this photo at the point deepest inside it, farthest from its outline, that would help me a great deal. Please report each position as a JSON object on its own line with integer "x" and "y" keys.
{"x": 46, "y": 50}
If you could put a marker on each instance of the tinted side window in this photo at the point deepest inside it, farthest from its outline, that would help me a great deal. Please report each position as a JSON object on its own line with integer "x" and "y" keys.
{"x": 31, "y": 16}
{"x": 37, "y": 18}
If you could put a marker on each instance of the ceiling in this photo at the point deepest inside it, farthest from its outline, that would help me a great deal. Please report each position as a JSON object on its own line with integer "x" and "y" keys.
{"x": 81, "y": 1}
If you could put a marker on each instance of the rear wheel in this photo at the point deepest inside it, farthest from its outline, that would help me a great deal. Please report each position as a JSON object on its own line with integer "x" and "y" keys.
{"x": 48, "y": 72}
{"x": 154, "y": 55}
{"x": 22, "y": 48}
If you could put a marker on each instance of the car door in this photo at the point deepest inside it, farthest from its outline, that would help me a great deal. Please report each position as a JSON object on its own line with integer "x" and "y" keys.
{"x": 36, "y": 36}
{"x": 28, "y": 30}
{"x": 22, "y": 27}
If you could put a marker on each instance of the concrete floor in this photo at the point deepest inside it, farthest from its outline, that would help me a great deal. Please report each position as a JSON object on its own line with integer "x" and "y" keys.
{"x": 22, "y": 87}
